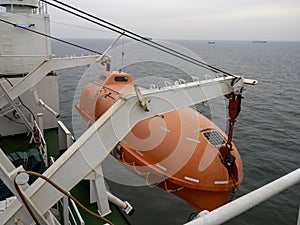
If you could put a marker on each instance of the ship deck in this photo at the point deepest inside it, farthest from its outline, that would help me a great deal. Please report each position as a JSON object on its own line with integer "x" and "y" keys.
{"x": 21, "y": 143}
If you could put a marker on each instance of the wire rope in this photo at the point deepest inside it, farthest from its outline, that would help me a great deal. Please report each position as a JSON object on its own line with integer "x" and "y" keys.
{"x": 135, "y": 36}
{"x": 49, "y": 36}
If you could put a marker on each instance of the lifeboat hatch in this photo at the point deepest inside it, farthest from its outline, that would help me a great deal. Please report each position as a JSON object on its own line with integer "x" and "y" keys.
{"x": 214, "y": 138}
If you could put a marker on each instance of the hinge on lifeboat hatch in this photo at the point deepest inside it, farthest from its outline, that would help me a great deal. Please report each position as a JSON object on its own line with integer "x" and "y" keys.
{"x": 143, "y": 102}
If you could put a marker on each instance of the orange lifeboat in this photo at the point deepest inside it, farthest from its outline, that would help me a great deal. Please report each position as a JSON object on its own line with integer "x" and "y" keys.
{"x": 180, "y": 151}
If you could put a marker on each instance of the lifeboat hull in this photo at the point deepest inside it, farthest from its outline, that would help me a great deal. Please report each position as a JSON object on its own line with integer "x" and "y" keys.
{"x": 178, "y": 151}
{"x": 197, "y": 197}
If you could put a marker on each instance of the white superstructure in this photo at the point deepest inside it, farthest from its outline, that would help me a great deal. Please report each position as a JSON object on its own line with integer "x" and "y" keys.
{"x": 21, "y": 50}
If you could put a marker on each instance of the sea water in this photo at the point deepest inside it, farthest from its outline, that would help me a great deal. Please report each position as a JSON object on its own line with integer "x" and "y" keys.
{"x": 267, "y": 131}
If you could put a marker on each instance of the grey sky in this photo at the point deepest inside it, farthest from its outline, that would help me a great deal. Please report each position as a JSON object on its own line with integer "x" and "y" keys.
{"x": 188, "y": 19}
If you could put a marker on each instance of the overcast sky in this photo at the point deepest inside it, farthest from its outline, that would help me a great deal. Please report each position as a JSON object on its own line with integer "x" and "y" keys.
{"x": 187, "y": 19}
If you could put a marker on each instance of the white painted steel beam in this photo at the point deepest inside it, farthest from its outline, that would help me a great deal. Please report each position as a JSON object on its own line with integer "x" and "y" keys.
{"x": 88, "y": 152}
{"x": 98, "y": 193}
{"x": 66, "y": 210}
{"x": 248, "y": 201}
{"x": 5, "y": 162}
{"x": 36, "y": 75}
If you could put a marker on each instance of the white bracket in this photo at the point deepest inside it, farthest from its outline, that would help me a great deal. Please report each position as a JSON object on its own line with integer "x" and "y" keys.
{"x": 124, "y": 205}
{"x": 238, "y": 85}
{"x": 41, "y": 103}
{"x": 98, "y": 192}
{"x": 38, "y": 73}
{"x": 143, "y": 101}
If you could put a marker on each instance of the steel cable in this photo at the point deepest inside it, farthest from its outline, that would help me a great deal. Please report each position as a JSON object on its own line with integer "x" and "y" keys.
{"x": 136, "y": 37}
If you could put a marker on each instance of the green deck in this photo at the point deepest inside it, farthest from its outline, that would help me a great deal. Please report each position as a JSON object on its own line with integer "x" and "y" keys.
{"x": 83, "y": 196}
{"x": 20, "y": 142}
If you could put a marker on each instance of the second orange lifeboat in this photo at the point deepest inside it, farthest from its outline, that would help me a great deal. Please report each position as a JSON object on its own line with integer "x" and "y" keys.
{"x": 178, "y": 151}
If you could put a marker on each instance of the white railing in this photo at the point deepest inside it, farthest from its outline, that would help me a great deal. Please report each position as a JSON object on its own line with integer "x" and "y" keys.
{"x": 81, "y": 221}
{"x": 66, "y": 139}
{"x": 67, "y": 210}
{"x": 248, "y": 201}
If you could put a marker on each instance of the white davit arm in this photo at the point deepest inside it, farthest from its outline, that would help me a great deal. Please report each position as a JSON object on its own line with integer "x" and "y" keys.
{"x": 38, "y": 73}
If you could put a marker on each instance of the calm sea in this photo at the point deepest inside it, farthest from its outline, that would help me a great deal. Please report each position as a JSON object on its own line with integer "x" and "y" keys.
{"x": 267, "y": 132}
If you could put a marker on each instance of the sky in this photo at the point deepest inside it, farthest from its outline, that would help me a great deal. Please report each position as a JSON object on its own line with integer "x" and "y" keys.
{"x": 186, "y": 19}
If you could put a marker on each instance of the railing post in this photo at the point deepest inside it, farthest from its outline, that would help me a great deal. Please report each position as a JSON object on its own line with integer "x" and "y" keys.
{"x": 41, "y": 122}
{"x": 66, "y": 209}
{"x": 66, "y": 138}
{"x": 298, "y": 223}
{"x": 77, "y": 212}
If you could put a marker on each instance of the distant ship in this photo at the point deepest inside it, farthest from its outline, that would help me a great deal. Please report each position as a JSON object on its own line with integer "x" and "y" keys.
{"x": 259, "y": 42}
{"x": 211, "y": 42}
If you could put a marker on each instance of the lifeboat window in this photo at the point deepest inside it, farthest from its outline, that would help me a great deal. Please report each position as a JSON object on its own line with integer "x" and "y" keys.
{"x": 121, "y": 78}
{"x": 214, "y": 138}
